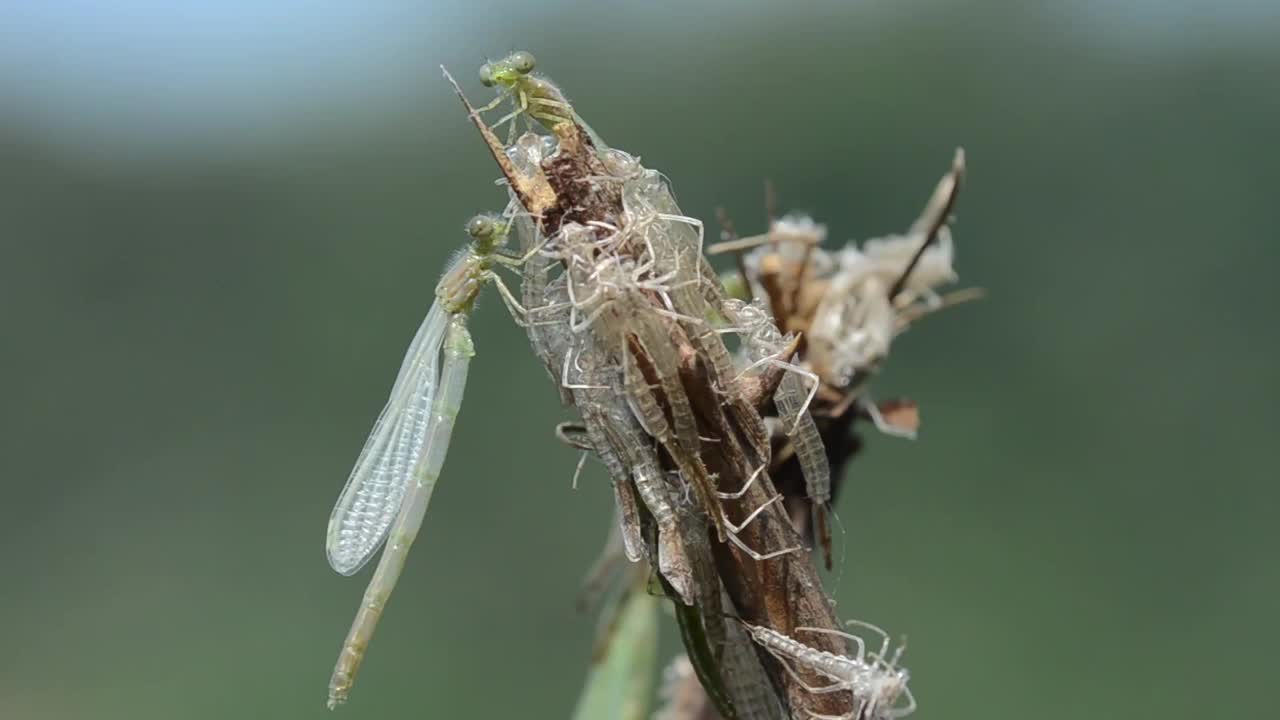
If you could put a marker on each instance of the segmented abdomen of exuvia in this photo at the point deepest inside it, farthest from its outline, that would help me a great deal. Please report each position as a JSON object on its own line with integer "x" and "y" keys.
{"x": 837, "y": 667}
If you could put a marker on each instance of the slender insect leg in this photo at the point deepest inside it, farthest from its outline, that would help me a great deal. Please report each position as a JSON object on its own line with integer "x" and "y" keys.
{"x": 518, "y": 312}
{"x": 515, "y": 261}
{"x": 911, "y": 705}
{"x": 673, "y": 560}
{"x": 545, "y": 102}
{"x": 695, "y": 222}
{"x": 508, "y": 118}
{"x": 754, "y": 514}
{"x": 745, "y": 486}
{"x": 884, "y": 425}
{"x": 737, "y": 542}
{"x": 576, "y": 304}
{"x": 884, "y": 647}
{"x": 578, "y": 470}
{"x": 897, "y": 654}
{"x": 522, "y": 106}
{"x": 496, "y": 102}
{"x": 547, "y": 119}
{"x": 735, "y": 529}
{"x": 776, "y": 362}
{"x": 574, "y": 435}
{"x": 564, "y": 376}
{"x": 677, "y": 316}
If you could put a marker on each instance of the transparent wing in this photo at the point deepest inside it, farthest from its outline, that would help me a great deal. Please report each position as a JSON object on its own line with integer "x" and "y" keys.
{"x": 369, "y": 502}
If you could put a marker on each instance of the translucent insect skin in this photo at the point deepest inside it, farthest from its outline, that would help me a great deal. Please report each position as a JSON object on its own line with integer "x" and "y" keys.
{"x": 598, "y": 387}
{"x": 651, "y": 417}
{"x": 632, "y": 457}
{"x": 862, "y": 309}
{"x": 633, "y": 464}
{"x": 417, "y": 462}
{"x": 612, "y": 297}
{"x": 624, "y": 492}
{"x": 600, "y": 371}
{"x": 618, "y": 293}
{"x": 614, "y": 301}
{"x": 852, "y": 327}
{"x": 718, "y": 300}
{"x": 617, "y": 442}
{"x": 763, "y": 341}
{"x": 744, "y": 676}
{"x": 677, "y": 242}
{"x": 673, "y": 560}
{"x": 875, "y": 684}
{"x": 548, "y": 307}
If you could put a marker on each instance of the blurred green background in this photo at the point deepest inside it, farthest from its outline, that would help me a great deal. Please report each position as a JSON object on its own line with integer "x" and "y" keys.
{"x": 221, "y": 224}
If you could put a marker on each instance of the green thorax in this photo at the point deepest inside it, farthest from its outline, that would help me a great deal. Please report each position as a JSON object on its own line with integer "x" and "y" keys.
{"x": 462, "y": 284}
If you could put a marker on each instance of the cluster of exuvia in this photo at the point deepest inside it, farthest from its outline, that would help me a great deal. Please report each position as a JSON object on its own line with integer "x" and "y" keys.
{"x": 625, "y": 301}
{"x": 849, "y": 304}
{"x": 630, "y": 320}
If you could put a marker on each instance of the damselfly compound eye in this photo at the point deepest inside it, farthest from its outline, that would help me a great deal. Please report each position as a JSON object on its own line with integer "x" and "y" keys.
{"x": 481, "y": 226}
{"x": 486, "y": 75}
{"x": 522, "y": 62}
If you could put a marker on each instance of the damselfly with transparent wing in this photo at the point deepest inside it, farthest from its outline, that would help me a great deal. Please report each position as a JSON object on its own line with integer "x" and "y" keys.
{"x": 389, "y": 489}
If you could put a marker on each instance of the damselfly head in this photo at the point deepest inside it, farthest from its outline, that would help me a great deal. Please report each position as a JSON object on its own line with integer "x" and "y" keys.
{"x": 508, "y": 70}
{"x": 487, "y": 231}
